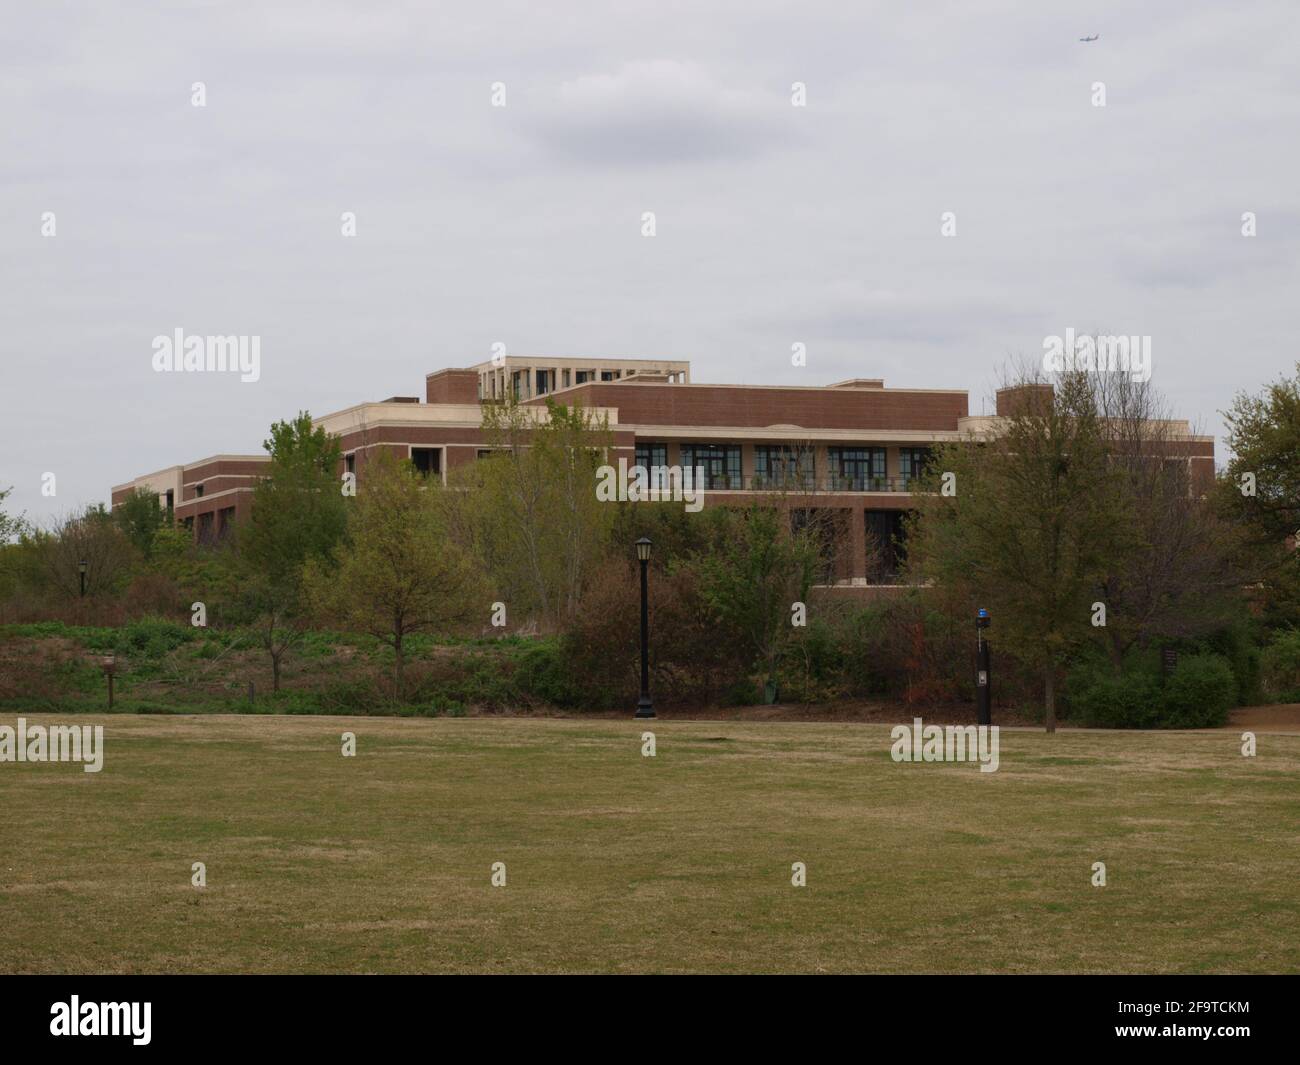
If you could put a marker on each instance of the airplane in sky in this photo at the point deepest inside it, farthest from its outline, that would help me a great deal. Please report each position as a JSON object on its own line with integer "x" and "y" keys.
{"x": 1094, "y": 37}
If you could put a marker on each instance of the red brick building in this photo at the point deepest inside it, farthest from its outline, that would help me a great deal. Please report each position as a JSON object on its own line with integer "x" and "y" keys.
{"x": 848, "y": 451}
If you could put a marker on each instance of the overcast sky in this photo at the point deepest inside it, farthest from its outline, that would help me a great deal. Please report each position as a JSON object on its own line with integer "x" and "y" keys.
{"x": 775, "y": 224}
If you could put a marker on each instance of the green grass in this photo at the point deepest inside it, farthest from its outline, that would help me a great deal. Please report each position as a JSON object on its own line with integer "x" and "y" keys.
{"x": 615, "y": 862}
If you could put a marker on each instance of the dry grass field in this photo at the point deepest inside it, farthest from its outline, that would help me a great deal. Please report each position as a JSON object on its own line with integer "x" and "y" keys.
{"x": 620, "y": 863}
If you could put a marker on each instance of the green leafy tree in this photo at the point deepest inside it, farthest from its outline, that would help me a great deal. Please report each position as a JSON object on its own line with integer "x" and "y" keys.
{"x": 140, "y": 518}
{"x": 1260, "y": 490}
{"x": 298, "y": 515}
{"x": 396, "y": 572}
{"x": 531, "y": 515}
{"x": 1024, "y": 522}
{"x": 11, "y": 526}
{"x": 755, "y": 572}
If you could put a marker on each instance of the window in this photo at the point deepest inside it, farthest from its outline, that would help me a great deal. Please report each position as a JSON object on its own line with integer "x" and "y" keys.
{"x": 857, "y": 469}
{"x": 885, "y": 547}
{"x": 198, "y": 491}
{"x": 607, "y": 375}
{"x": 350, "y": 462}
{"x": 225, "y": 522}
{"x": 566, "y": 377}
{"x": 653, "y": 458}
{"x": 783, "y": 467}
{"x": 720, "y": 462}
{"x": 545, "y": 381}
{"x": 911, "y": 462}
{"x": 428, "y": 460}
{"x": 583, "y": 376}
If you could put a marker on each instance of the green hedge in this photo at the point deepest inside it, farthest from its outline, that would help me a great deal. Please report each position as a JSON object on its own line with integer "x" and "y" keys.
{"x": 1198, "y": 694}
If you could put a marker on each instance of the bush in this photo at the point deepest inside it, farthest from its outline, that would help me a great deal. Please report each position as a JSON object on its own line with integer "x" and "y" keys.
{"x": 152, "y": 637}
{"x": 1199, "y": 693}
{"x": 1281, "y": 665}
{"x": 544, "y": 673}
{"x": 1099, "y": 698}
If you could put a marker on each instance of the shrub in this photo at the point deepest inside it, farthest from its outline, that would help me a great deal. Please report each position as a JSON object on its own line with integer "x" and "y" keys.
{"x": 1199, "y": 693}
{"x": 152, "y": 637}
{"x": 1281, "y": 665}
{"x": 544, "y": 673}
{"x": 1097, "y": 697}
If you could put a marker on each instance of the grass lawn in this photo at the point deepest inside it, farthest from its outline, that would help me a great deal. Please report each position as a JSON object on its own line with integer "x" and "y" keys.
{"x": 616, "y": 862}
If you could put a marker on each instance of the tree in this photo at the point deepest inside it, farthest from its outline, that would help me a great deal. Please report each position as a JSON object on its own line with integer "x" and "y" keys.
{"x": 1172, "y": 571}
{"x": 1260, "y": 490}
{"x": 756, "y": 572}
{"x": 396, "y": 572}
{"x": 92, "y": 537}
{"x": 299, "y": 514}
{"x": 530, "y": 513}
{"x": 10, "y": 527}
{"x": 1029, "y": 526}
{"x": 140, "y": 518}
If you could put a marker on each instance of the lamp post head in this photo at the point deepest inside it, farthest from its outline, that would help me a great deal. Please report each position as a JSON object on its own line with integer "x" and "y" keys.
{"x": 81, "y": 566}
{"x": 643, "y": 549}
{"x": 982, "y": 619}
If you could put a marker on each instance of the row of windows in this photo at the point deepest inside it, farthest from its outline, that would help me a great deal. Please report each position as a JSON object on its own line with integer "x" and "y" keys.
{"x": 850, "y": 468}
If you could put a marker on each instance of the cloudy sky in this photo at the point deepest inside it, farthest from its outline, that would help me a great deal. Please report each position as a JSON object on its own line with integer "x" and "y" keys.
{"x": 522, "y": 224}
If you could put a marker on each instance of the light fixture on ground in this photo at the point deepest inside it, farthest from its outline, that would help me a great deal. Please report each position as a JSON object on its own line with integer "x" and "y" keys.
{"x": 644, "y": 708}
{"x": 983, "y": 701}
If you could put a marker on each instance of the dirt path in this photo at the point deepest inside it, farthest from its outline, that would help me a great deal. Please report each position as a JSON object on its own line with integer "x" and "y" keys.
{"x": 1284, "y": 716}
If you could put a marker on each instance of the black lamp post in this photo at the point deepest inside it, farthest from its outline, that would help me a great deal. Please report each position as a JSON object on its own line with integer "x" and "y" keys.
{"x": 983, "y": 706}
{"x": 644, "y": 708}
{"x": 81, "y": 567}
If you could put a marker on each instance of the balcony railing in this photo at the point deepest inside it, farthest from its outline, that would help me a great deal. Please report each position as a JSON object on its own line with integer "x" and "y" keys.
{"x": 835, "y": 483}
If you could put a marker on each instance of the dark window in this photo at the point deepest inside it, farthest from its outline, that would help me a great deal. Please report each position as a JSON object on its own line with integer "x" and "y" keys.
{"x": 886, "y": 550}
{"x": 651, "y": 455}
{"x": 720, "y": 462}
{"x": 428, "y": 460}
{"x": 350, "y": 462}
{"x": 225, "y": 522}
{"x": 198, "y": 491}
{"x": 783, "y": 467}
{"x": 653, "y": 458}
{"x": 585, "y": 375}
{"x": 911, "y": 462}
{"x": 857, "y": 469}
{"x": 207, "y": 536}
{"x": 171, "y": 502}
{"x": 607, "y": 375}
